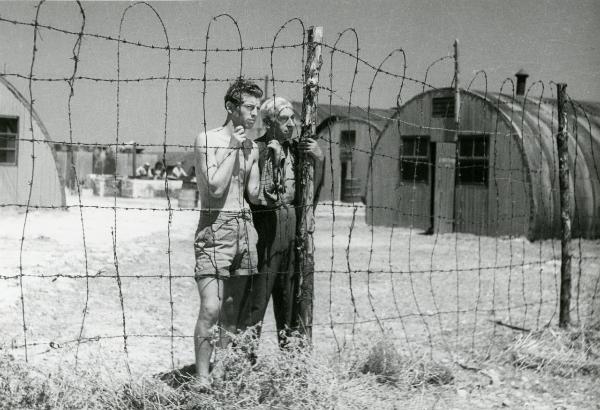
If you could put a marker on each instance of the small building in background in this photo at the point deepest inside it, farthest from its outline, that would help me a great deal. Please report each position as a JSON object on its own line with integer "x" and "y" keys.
{"x": 27, "y": 156}
{"x": 346, "y": 136}
{"x": 501, "y": 175}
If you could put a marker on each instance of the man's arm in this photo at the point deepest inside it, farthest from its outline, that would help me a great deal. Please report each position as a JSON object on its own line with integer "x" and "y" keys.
{"x": 253, "y": 183}
{"x": 216, "y": 174}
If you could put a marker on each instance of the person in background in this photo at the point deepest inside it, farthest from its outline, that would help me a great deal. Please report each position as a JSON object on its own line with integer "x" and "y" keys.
{"x": 144, "y": 171}
{"x": 159, "y": 170}
{"x": 178, "y": 172}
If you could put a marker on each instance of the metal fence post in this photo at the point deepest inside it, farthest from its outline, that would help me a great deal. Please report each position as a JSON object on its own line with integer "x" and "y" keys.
{"x": 562, "y": 140}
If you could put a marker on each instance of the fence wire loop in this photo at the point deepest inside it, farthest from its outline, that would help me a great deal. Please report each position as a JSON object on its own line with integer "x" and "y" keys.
{"x": 435, "y": 231}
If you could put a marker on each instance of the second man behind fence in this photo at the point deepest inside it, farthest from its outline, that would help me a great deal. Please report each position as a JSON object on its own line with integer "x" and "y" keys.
{"x": 274, "y": 215}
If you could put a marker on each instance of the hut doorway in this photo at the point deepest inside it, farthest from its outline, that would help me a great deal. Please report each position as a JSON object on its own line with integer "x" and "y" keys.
{"x": 349, "y": 183}
{"x": 442, "y": 188}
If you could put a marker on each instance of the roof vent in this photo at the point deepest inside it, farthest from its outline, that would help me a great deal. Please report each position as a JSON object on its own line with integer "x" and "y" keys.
{"x": 521, "y": 81}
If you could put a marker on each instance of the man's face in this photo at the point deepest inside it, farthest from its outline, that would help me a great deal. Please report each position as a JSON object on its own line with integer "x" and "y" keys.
{"x": 284, "y": 124}
{"x": 245, "y": 114}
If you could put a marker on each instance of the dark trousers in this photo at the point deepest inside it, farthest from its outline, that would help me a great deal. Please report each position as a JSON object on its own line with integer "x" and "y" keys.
{"x": 276, "y": 230}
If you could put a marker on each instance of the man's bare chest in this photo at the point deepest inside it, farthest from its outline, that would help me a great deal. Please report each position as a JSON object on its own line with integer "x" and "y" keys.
{"x": 242, "y": 162}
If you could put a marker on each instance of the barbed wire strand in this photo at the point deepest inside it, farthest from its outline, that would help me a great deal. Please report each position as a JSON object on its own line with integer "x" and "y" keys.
{"x": 76, "y": 53}
{"x": 166, "y": 179}
{"x": 100, "y": 275}
{"x": 350, "y": 288}
{"x": 330, "y": 143}
{"x": 479, "y": 251}
{"x": 539, "y": 132}
{"x": 370, "y": 165}
{"x": 30, "y": 183}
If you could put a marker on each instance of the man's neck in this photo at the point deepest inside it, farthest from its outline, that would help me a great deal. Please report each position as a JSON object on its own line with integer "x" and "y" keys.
{"x": 229, "y": 122}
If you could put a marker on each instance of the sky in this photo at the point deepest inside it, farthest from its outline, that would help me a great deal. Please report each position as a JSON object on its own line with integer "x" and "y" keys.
{"x": 553, "y": 40}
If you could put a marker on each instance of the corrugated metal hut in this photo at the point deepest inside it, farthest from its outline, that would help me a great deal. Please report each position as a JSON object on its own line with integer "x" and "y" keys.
{"x": 500, "y": 178}
{"x": 16, "y": 152}
{"x": 346, "y": 137}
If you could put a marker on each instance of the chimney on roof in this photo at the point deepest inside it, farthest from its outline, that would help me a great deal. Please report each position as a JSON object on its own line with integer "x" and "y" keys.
{"x": 521, "y": 81}
{"x": 266, "y": 88}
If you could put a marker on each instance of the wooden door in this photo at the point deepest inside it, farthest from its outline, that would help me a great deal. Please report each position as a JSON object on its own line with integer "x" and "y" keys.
{"x": 444, "y": 185}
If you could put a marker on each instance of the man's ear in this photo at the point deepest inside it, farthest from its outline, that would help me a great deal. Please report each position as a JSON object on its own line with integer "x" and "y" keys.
{"x": 230, "y": 107}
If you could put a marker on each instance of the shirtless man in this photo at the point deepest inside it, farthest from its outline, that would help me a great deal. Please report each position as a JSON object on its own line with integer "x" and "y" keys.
{"x": 225, "y": 243}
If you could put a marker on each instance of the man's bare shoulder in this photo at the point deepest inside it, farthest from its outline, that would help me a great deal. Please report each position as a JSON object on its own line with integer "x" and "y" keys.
{"x": 214, "y": 137}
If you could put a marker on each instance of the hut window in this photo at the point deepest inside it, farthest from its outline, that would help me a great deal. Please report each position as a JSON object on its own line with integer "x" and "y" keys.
{"x": 414, "y": 159}
{"x": 473, "y": 159}
{"x": 8, "y": 140}
{"x": 442, "y": 107}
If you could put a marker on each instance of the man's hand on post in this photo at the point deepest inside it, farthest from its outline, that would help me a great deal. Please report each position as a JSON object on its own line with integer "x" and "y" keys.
{"x": 311, "y": 147}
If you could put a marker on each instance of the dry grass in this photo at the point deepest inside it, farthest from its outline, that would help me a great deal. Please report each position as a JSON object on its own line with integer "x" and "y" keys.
{"x": 373, "y": 374}
{"x": 293, "y": 378}
{"x": 560, "y": 352}
{"x": 24, "y": 387}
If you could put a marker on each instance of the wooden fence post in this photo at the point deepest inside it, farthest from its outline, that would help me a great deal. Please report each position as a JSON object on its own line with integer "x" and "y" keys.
{"x": 562, "y": 140}
{"x": 456, "y": 90}
{"x": 133, "y": 159}
{"x": 304, "y": 261}
{"x": 456, "y": 134}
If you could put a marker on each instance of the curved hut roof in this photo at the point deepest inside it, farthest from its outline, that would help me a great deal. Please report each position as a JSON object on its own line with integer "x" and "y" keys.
{"x": 38, "y": 121}
{"x": 535, "y": 125}
{"x": 327, "y": 114}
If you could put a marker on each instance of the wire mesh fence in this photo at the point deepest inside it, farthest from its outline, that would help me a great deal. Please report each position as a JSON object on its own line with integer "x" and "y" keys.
{"x": 438, "y": 223}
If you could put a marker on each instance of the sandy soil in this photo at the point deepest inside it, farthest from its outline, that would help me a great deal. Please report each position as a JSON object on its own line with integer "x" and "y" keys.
{"x": 438, "y": 294}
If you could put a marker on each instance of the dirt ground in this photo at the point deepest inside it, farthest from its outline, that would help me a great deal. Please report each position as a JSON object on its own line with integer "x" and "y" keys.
{"x": 446, "y": 296}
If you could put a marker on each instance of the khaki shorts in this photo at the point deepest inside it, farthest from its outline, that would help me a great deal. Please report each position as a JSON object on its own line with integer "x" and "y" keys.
{"x": 225, "y": 245}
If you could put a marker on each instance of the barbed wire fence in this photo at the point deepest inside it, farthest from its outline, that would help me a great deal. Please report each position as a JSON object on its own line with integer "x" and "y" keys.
{"x": 402, "y": 259}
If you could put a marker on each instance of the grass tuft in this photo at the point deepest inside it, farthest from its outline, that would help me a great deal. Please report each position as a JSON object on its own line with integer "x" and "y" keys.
{"x": 562, "y": 352}
{"x": 391, "y": 367}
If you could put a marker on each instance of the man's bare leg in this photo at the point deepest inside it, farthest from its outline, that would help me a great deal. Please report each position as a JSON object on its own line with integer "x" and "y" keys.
{"x": 211, "y": 298}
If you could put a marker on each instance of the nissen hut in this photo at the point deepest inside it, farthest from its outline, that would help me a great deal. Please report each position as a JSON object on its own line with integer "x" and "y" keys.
{"x": 498, "y": 175}
{"x": 346, "y": 136}
{"x": 17, "y": 150}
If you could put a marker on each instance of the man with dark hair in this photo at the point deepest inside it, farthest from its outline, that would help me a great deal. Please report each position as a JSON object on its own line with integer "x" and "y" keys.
{"x": 225, "y": 243}
{"x": 234, "y": 94}
{"x": 274, "y": 214}
{"x": 159, "y": 170}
